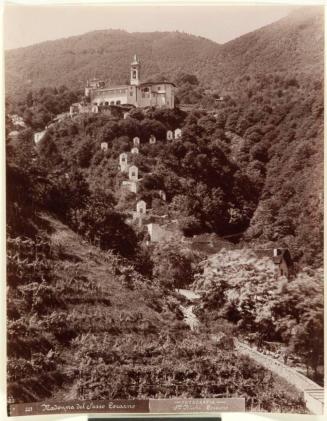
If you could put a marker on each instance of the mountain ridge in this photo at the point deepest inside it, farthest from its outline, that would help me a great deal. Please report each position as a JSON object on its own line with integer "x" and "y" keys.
{"x": 293, "y": 44}
{"x": 296, "y": 12}
{"x": 113, "y": 30}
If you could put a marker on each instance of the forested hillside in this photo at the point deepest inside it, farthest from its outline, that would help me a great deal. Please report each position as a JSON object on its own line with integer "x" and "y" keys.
{"x": 293, "y": 45}
{"x": 106, "y": 54}
{"x": 204, "y": 189}
{"x": 276, "y": 132}
{"x": 244, "y": 168}
{"x": 90, "y": 312}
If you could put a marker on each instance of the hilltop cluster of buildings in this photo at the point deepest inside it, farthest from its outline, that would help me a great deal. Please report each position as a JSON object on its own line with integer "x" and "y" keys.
{"x": 99, "y": 98}
{"x": 135, "y": 94}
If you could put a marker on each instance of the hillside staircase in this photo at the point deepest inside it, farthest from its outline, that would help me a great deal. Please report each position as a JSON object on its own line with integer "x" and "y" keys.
{"x": 313, "y": 394}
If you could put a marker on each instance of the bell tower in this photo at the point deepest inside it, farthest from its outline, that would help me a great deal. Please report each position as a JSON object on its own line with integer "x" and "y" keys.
{"x": 135, "y": 71}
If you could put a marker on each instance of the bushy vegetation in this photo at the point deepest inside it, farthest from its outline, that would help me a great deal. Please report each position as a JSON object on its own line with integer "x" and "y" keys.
{"x": 39, "y": 107}
{"x": 204, "y": 189}
{"x": 242, "y": 289}
{"x": 143, "y": 371}
{"x": 33, "y": 186}
{"x": 34, "y": 367}
{"x": 174, "y": 265}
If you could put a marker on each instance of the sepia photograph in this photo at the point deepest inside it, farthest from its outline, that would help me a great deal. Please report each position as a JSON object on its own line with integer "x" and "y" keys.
{"x": 164, "y": 207}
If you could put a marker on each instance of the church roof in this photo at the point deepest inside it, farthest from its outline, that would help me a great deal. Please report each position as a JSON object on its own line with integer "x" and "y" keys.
{"x": 110, "y": 88}
{"x": 135, "y": 60}
{"x": 157, "y": 83}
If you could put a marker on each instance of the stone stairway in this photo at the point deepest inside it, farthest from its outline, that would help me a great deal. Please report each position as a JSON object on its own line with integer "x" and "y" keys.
{"x": 313, "y": 393}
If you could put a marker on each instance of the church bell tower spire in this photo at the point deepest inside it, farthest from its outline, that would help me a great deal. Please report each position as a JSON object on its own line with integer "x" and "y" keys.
{"x": 135, "y": 71}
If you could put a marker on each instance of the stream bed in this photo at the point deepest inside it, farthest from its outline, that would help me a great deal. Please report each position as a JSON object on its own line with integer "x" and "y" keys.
{"x": 189, "y": 317}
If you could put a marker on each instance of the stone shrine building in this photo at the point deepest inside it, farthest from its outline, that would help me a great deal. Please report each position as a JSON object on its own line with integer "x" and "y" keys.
{"x": 178, "y": 133}
{"x": 152, "y": 140}
{"x": 137, "y": 93}
{"x": 133, "y": 173}
{"x": 141, "y": 207}
{"x": 136, "y": 141}
{"x": 104, "y": 146}
{"x": 123, "y": 165}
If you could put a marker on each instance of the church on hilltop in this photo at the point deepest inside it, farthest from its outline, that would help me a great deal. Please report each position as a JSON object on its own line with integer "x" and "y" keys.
{"x": 137, "y": 93}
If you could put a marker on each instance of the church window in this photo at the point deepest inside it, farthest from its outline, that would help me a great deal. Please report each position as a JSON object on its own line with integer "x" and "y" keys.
{"x": 112, "y": 102}
{"x": 134, "y": 74}
{"x": 159, "y": 88}
{"x": 118, "y": 102}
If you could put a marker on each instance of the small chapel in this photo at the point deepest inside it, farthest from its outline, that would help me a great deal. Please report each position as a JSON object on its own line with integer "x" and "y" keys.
{"x": 137, "y": 93}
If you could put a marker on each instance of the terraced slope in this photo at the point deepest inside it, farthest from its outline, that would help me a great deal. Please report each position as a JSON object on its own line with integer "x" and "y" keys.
{"x": 93, "y": 328}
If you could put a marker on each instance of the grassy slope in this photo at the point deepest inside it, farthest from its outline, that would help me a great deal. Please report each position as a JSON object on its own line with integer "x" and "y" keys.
{"x": 98, "y": 269}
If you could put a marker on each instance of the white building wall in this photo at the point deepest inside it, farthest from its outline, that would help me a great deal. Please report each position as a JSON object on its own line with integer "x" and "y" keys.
{"x": 131, "y": 186}
{"x": 38, "y": 136}
{"x": 110, "y": 95}
{"x": 158, "y": 234}
{"x": 133, "y": 173}
{"x": 157, "y": 95}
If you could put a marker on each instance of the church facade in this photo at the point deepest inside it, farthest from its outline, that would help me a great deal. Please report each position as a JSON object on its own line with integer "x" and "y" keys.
{"x": 148, "y": 94}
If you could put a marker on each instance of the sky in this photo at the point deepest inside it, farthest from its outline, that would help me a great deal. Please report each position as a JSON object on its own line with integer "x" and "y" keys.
{"x": 26, "y": 25}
